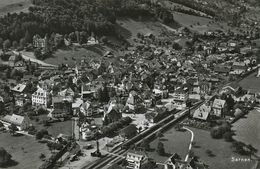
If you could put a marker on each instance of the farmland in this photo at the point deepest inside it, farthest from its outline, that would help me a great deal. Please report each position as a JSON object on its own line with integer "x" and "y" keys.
{"x": 251, "y": 83}
{"x": 247, "y": 130}
{"x": 174, "y": 142}
{"x": 222, "y": 154}
{"x": 25, "y": 150}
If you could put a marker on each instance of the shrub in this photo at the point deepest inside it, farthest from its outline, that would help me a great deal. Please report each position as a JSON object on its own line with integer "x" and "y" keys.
{"x": 228, "y": 136}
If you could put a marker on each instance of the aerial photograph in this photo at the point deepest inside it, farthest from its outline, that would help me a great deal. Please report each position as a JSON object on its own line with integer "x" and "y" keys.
{"x": 129, "y": 84}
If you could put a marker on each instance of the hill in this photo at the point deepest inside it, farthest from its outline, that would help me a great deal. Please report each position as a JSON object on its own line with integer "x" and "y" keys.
{"x": 11, "y": 6}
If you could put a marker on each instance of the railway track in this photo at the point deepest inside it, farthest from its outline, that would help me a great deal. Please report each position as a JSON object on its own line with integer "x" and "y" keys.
{"x": 117, "y": 154}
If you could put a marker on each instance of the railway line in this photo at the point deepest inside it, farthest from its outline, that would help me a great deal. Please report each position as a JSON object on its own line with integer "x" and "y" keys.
{"x": 117, "y": 153}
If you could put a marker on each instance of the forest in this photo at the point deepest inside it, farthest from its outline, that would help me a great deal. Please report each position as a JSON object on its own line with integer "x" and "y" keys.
{"x": 96, "y": 17}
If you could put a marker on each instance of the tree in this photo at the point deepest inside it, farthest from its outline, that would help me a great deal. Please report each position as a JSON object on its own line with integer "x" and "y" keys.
{"x": 40, "y": 134}
{"x": 176, "y": 46}
{"x": 228, "y": 136}
{"x": 27, "y": 38}
{"x": 38, "y": 53}
{"x": 22, "y": 43}
{"x": 15, "y": 44}
{"x": 6, "y": 44}
{"x": 216, "y": 132}
{"x": 1, "y": 43}
{"x": 251, "y": 149}
{"x": 160, "y": 148}
{"x": 12, "y": 129}
{"x": 42, "y": 156}
{"x": 5, "y": 157}
{"x": 149, "y": 165}
{"x": 145, "y": 145}
{"x": 159, "y": 134}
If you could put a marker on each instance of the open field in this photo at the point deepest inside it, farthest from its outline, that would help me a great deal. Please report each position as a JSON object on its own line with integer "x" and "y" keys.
{"x": 25, "y": 150}
{"x": 251, "y": 83}
{"x": 71, "y": 56}
{"x": 174, "y": 142}
{"x": 129, "y": 27}
{"x": 54, "y": 129}
{"x": 199, "y": 24}
{"x": 221, "y": 150}
{"x": 247, "y": 130}
{"x": 12, "y": 6}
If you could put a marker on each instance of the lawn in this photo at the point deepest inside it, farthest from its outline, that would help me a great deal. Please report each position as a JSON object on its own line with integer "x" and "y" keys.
{"x": 12, "y": 6}
{"x": 56, "y": 128}
{"x": 248, "y": 130}
{"x": 25, "y": 150}
{"x": 174, "y": 142}
{"x": 251, "y": 83}
{"x": 71, "y": 56}
{"x": 222, "y": 153}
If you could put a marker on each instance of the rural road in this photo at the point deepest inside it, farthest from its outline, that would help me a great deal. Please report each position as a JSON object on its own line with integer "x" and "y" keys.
{"x": 191, "y": 141}
{"x": 26, "y": 57}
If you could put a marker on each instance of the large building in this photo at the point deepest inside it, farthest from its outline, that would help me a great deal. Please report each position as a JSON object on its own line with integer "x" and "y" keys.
{"x": 22, "y": 122}
{"x": 135, "y": 159}
{"x": 40, "y": 97}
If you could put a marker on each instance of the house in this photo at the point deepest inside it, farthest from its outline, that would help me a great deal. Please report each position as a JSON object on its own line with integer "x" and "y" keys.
{"x": 129, "y": 131}
{"x": 222, "y": 69}
{"x": 61, "y": 108}
{"x": 219, "y": 107}
{"x": 112, "y": 113}
{"x": 13, "y": 59}
{"x": 39, "y": 42}
{"x": 19, "y": 89}
{"x": 232, "y": 88}
{"x": 202, "y": 112}
{"x": 239, "y": 68}
{"x": 92, "y": 41}
{"x": 135, "y": 159}
{"x": 86, "y": 108}
{"x": 40, "y": 97}
{"x": 133, "y": 100}
{"x": 22, "y": 122}
{"x": 76, "y": 105}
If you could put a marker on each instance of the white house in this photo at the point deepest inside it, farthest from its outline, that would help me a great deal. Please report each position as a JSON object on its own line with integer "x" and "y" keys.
{"x": 41, "y": 97}
{"x": 135, "y": 159}
{"x": 202, "y": 112}
{"x": 219, "y": 107}
{"x": 22, "y": 122}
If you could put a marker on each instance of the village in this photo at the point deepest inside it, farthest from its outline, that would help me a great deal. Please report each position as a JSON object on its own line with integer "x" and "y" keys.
{"x": 167, "y": 100}
{"x": 111, "y": 100}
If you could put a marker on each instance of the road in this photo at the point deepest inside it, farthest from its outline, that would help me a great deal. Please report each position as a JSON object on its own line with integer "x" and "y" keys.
{"x": 26, "y": 57}
{"x": 191, "y": 141}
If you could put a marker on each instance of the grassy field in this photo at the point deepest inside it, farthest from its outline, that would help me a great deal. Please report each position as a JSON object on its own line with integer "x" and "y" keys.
{"x": 54, "y": 129}
{"x": 12, "y": 6}
{"x": 251, "y": 83}
{"x": 248, "y": 130}
{"x": 199, "y": 24}
{"x": 71, "y": 56}
{"x": 129, "y": 27}
{"x": 174, "y": 142}
{"x": 25, "y": 151}
{"x": 222, "y": 152}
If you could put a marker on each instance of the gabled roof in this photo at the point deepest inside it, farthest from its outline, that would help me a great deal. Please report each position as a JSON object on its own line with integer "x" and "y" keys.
{"x": 19, "y": 88}
{"x": 218, "y": 103}
{"x": 202, "y": 112}
{"x": 232, "y": 86}
{"x": 14, "y": 119}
